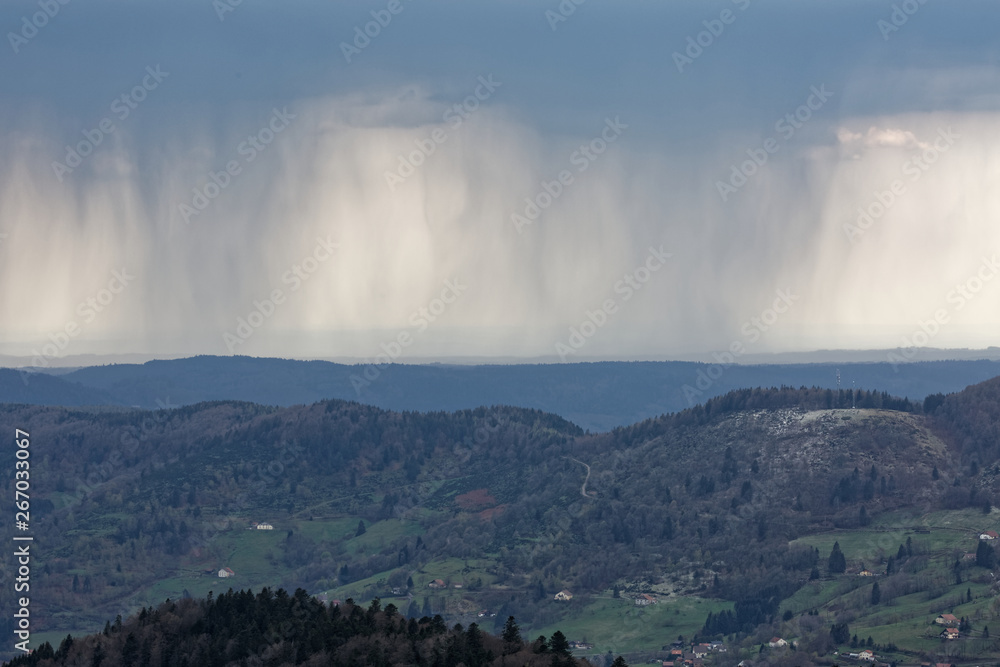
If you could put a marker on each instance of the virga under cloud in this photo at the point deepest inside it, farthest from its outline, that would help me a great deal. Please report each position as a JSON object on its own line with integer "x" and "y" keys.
{"x": 257, "y": 137}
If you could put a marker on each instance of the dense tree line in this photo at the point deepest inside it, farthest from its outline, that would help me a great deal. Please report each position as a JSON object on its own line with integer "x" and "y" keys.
{"x": 970, "y": 420}
{"x": 276, "y": 629}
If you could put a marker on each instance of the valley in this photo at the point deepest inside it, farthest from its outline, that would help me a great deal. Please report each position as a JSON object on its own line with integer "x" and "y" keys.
{"x": 479, "y": 515}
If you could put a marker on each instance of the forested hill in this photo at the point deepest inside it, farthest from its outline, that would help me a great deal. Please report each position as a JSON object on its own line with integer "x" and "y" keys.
{"x": 596, "y": 396}
{"x": 514, "y": 505}
{"x": 275, "y": 628}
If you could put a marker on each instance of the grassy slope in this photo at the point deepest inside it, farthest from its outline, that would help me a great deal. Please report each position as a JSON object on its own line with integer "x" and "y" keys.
{"x": 908, "y": 620}
{"x": 621, "y": 627}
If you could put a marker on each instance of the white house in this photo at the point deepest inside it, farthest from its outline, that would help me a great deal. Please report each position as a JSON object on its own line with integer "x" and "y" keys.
{"x": 564, "y": 595}
{"x": 226, "y": 572}
{"x": 264, "y": 526}
{"x": 988, "y": 535}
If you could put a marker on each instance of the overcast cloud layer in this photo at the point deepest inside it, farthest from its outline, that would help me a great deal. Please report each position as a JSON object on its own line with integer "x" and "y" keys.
{"x": 690, "y": 197}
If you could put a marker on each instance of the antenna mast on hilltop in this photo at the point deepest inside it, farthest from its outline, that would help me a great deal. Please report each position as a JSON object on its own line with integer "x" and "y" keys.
{"x": 854, "y": 391}
{"x": 838, "y": 386}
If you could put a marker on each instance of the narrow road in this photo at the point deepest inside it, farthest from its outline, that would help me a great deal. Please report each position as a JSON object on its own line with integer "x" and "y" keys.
{"x": 583, "y": 489}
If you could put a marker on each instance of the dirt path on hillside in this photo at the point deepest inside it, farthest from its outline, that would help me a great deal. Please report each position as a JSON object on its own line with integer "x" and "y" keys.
{"x": 583, "y": 489}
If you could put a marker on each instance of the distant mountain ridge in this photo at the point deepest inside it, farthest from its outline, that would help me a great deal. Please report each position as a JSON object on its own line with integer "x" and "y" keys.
{"x": 597, "y": 396}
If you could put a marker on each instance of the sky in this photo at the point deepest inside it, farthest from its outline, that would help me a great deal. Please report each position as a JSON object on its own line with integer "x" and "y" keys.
{"x": 604, "y": 180}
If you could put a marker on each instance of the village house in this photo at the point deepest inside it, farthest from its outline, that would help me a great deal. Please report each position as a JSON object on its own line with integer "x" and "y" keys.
{"x": 777, "y": 642}
{"x": 644, "y": 600}
{"x": 564, "y": 595}
{"x": 950, "y": 633}
{"x": 866, "y": 655}
{"x": 947, "y": 620}
{"x": 989, "y": 535}
{"x": 437, "y": 583}
{"x": 264, "y": 526}
{"x": 226, "y": 572}
{"x": 866, "y": 573}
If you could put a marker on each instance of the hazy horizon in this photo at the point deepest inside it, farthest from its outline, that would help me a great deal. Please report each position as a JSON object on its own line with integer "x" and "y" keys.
{"x": 825, "y": 357}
